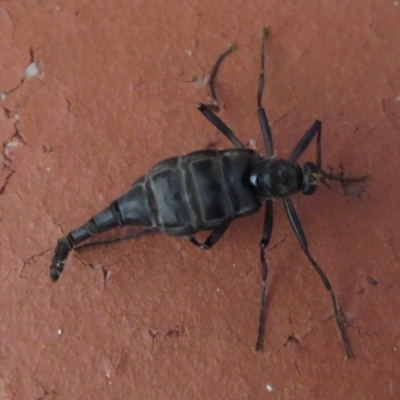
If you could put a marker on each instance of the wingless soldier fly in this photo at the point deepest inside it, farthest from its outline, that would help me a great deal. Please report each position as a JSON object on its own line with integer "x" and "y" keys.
{"x": 207, "y": 189}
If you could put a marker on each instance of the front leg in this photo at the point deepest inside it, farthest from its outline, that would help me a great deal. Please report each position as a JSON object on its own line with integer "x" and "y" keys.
{"x": 315, "y": 130}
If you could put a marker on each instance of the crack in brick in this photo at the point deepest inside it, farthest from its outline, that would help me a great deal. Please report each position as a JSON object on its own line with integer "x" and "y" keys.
{"x": 106, "y": 274}
{"x": 277, "y": 244}
{"x": 199, "y": 81}
{"x": 153, "y": 334}
{"x": 303, "y": 281}
{"x": 94, "y": 266}
{"x": 283, "y": 116}
{"x": 361, "y": 333}
{"x": 58, "y": 225}
{"x": 21, "y": 82}
{"x": 297, "y": 368}
{"x": 389, "y": 241}
{"x": 7, "y": 179}
{"x": 47, "y": 391}
{"x": 14, "y": 141}
{"x": 347, "y": 322}
{"x": 11, "y": 18}
{"x": 26, "y": 76}
{"x": 30, "y": 259}
{"x": 174, "y": 333}
{"x": 311, "y": 331}
{"x": 292, "y": 340}
{"x": 17, "y": 193}
{"x": 77, "y": 13}
{"x": 118, "y": 365}
{"x": 104, "y": 268}
{"x": 47, "y": 149}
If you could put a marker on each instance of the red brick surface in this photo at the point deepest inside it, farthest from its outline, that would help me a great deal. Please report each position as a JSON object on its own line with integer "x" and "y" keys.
{"x": 116, "y": 91}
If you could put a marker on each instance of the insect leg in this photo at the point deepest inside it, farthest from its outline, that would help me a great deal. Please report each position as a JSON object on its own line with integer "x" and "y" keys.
{"x": 262, "y": 116}
{"x": 132, "y": 235}
{"x": 305, "y": 141}
{"x": 298, "y": 230}
{"x": 268, "y": 222}
{"x": 211, "y": 240}
{"x": 215, "y": 105}
{"x": 221, "y": 126}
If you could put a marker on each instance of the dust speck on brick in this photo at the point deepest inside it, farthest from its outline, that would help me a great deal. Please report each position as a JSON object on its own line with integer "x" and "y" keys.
{"x": 31, "y": 70}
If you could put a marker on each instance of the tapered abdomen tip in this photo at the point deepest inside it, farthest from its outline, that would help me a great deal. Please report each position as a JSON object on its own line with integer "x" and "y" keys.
{"x": 61, "y": 253}
{"x": 54, "y": 274}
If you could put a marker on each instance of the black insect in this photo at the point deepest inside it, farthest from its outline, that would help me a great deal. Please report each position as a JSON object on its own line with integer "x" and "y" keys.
{"x": 208, "y": 189}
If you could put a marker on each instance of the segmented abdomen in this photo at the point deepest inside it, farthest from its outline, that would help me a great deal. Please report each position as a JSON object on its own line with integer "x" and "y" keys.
{"x": 198, "y": 191}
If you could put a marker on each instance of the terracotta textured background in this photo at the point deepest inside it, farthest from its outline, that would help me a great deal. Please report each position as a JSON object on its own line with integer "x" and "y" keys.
{"x": 115, "y": 90}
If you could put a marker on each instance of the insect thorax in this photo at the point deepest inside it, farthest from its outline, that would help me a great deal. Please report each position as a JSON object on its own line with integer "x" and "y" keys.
{"x": 276, "y": 178}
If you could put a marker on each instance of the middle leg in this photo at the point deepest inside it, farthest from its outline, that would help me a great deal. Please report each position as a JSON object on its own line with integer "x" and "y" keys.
{"x": 267, "y": 231}
{"x": 305, "y": 141}
{"x": 211, "y": 240}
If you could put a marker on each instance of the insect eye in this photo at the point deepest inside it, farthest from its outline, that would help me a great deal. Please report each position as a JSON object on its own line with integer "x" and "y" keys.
{"x": 310, "y": 182}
